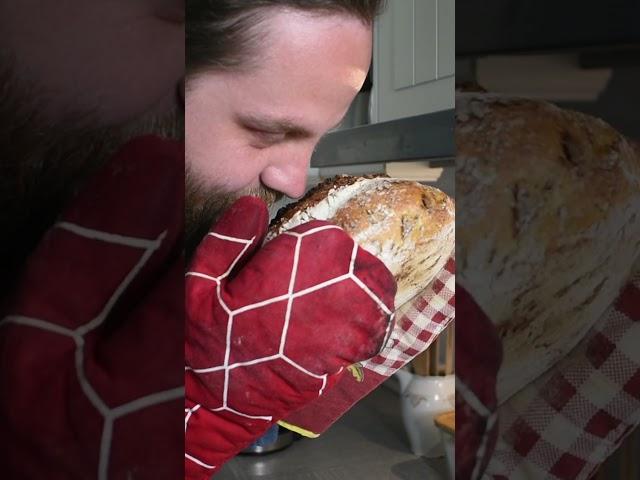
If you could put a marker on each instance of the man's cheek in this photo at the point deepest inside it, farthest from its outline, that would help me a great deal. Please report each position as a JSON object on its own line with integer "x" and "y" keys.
{"x": 231, "y": 169}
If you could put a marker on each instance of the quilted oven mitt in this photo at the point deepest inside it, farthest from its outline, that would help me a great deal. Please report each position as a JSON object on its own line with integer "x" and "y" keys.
{"x": 270, "y": 329}
{"x": 417, "y": 325}
{"x": 90, "y": 370}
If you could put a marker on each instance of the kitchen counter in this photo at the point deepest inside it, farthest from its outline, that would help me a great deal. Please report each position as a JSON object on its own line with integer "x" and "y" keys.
{"x": 367, "y": 443}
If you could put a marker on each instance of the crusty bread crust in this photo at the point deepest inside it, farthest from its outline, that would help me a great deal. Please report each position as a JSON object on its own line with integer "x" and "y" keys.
{"x": 550, "y": 224}
{"x": 312, "y": 197}
{"x": 409, "y": 226}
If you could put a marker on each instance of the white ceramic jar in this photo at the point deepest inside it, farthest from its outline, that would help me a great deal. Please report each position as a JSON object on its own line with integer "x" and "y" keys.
{"x": 422, "y": 399}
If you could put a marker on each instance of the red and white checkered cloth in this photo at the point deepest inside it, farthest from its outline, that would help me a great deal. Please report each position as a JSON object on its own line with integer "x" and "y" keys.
{"x": 568, "y": 421}
{"x": 417, "y": 324}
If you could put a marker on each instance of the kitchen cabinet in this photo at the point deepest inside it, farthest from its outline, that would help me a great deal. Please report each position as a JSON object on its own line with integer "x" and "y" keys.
{"x": 410, "y": 105}
{"x": 413, "y": 59}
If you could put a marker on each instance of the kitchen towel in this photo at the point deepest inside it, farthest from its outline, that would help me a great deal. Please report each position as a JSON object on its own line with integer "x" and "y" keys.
{"x": 569, "y": 420}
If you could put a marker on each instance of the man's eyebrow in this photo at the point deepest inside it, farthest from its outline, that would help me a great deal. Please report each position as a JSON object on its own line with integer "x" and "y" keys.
{"x": 275, "y": 125}
{"x": 279, "y": 125}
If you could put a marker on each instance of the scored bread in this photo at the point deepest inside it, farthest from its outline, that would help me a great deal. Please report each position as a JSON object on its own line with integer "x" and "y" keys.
{"x": 549, "y": 225}
{"x": 409, "y": 226}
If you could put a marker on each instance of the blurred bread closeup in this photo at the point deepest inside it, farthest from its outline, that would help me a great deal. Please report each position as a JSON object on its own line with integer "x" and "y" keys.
{"x": 409, "y": 226}
{"x": 549, "y": 224}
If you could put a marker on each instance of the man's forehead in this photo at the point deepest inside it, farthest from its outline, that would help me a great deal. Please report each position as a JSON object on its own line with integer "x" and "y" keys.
{"x": 298, "y": 44}
{"x": 305, "y": 79}
{"x": 311, "y": 36}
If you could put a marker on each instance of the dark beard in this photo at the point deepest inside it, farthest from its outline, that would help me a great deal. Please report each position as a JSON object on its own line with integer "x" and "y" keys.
{"x": 203, "y": 206}
{"x": 42, "y": 164}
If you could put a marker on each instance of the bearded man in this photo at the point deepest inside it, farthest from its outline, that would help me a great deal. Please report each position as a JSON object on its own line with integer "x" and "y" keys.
{"x": 266, "y": 332}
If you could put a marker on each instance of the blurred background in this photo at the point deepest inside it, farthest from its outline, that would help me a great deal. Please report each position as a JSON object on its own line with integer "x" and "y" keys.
{"x": 583, "y": 56}
{"x": 580, "y": 55}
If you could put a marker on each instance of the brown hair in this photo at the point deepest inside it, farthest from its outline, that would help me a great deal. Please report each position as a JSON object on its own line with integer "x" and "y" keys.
{"x": 221, "y": 34}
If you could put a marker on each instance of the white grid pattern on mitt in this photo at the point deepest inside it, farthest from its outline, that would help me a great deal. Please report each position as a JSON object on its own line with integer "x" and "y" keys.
{"x": 415, "y": 328}
{"x": 561, "y": 432}
{"x": 109, "y": 414}
{"x": 289, "y": 297}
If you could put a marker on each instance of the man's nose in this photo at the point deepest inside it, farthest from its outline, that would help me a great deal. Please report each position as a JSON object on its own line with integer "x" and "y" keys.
{"x": 288, "y": 176}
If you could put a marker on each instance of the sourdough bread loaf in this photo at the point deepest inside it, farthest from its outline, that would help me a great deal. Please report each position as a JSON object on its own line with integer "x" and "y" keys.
{"x": 409, "y": 226}
{"x": 549, "y": 224}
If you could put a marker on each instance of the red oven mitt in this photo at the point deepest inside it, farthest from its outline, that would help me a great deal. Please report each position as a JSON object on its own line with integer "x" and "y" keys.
{"x": 270, "y": 329}
{"x": 417, "y": 324}
{"x": 90, "y": 357}
{"x": 478, "y": 358}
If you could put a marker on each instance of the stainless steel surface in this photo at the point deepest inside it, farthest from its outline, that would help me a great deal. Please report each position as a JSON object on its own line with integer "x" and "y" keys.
{"x": 428, "y": 136}
{"x": 368, "y": 443}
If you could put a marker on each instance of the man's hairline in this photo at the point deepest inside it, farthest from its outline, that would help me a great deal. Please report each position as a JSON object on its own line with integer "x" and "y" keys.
{"x": 250, "y": 63}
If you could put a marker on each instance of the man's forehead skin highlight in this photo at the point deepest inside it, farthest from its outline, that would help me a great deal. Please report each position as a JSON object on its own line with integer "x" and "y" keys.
{"x": 355, "y": 77}
{"x": 313, "y": 33}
